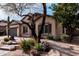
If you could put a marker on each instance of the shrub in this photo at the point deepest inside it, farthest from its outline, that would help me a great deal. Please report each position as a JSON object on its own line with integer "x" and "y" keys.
{"x": 39, "y": 47}
{"x": 46, "y": 46}
{"x": 57, "y": 38}
{"x": 32, "y": 42}
{"x": 65, "y": 38}
{"x": 25, "y": 45}
{"x": 6, "y": 39}
{"x": 50, "y": 37}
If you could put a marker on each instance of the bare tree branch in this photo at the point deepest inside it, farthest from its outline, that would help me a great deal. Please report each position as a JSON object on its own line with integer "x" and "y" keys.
{"x": 27, "y": 24}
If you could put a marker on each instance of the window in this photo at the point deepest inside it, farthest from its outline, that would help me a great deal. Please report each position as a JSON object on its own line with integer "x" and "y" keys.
{"x": 25, "y": 29}
{"x": 47, "y": 28}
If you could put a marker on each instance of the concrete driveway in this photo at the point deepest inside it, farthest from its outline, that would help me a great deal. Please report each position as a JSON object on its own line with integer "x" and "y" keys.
{"x": 64, "y": 49}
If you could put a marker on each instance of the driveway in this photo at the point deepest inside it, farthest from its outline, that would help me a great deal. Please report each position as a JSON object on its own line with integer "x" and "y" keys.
{"x": 64, "y": 49}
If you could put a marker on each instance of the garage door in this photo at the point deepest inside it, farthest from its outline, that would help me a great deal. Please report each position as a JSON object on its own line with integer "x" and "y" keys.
{"x": 13, "y": 31}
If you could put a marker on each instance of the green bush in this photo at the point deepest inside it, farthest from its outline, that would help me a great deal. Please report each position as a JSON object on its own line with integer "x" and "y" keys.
{"x": 57, "y": 38}
{"x": 6, "y": 39}
{"x": 65, "y": 38}
{"x": 50, "y": 37}
{"x": 39, "y": 47}
{"x": 32, "y": 42}
{"x": 25, "y": 45}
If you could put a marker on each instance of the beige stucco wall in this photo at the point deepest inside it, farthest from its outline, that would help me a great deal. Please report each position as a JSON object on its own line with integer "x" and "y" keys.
{"x": 59, "y": 29}
{"x": 29, "y": 31}
{"x": 48, "y": 20}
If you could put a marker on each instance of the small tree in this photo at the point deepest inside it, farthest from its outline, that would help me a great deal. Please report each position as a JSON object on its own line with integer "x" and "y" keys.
{"x": 65, "y": 13}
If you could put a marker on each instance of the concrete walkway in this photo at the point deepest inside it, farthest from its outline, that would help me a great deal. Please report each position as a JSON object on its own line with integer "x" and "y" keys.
{"x": 15, "y": 53}
{"x": 3, "y": 52}
{"x": 64, "y": 49}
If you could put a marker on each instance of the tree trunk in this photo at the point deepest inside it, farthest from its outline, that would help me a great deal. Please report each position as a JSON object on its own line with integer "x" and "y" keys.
{"x": 33, "y": 28}
{"x": 70, "y": 32}
{"x": 43, "y": 22}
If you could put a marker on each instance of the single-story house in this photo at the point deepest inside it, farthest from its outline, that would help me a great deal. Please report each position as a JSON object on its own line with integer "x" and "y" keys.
{"x": 17, "y": 28}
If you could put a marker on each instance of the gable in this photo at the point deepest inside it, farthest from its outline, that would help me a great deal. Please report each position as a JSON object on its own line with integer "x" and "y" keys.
{"x": 28, "y": 18}
{"x": 13, "y": 22}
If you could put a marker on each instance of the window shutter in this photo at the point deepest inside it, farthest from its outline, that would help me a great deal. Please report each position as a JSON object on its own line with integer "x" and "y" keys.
{"x": 50, "y": 27}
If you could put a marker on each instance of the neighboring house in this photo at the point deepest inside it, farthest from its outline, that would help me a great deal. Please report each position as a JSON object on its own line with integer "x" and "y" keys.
{"x": 3, "y": 27}
{"x": 14, "y": 29}
{"x": 17, "y": 28}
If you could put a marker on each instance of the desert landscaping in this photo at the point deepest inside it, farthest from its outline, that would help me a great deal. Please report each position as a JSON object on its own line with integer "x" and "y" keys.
{"x": 57, "y": 48}
{"x": 44, "y": 29}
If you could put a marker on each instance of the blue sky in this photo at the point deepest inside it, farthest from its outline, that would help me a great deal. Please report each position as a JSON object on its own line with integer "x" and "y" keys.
{"x": 49, "y": 11}
{"x": 3, "y": 16}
